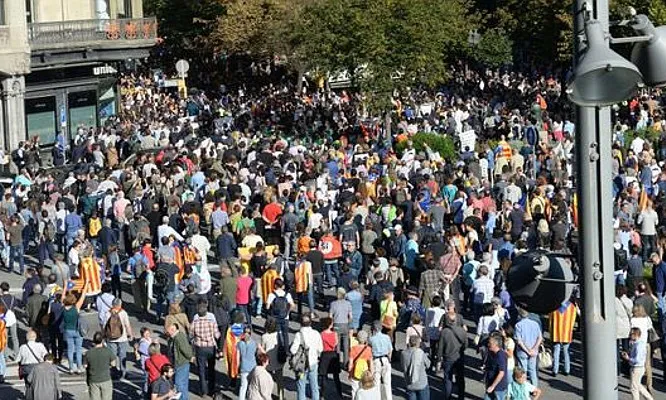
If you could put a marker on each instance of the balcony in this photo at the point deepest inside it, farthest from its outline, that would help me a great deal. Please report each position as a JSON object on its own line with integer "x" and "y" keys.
{"x": 93, "y": 34}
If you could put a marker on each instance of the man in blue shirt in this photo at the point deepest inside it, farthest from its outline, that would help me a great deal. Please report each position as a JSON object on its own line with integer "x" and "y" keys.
{"x": 528, "y": 339}
{"x": 637, "y": 360}
{"x": 73, "y": 223}
{"x": 382, "y": 349}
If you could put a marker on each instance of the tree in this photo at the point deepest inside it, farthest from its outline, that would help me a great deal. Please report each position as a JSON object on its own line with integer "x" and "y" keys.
{"x": 657, "y": 12}
{"x": 399, "y": 43}
{"x": 494, "y": 49}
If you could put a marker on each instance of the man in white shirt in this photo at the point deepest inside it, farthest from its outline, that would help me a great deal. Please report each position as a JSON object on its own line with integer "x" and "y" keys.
{"x": 31, "y": 353}
{"x": 202, "y": 245}
{"x": 311, "y": 340}
{"x": 165, "y": 230}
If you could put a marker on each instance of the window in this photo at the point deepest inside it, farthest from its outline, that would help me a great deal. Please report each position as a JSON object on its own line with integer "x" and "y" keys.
{"x": 41, "y": 119}
{"x": 2, "y": 12}
{"x": 82, "y": 111}
{"x": 124, "y": 8}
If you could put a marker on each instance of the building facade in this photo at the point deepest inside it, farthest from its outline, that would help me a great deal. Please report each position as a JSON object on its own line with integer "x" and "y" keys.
{"x": 58, "y": 60}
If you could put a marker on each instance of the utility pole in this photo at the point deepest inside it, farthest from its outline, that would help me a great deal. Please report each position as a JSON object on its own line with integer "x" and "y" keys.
{"x": 596, "y": 257}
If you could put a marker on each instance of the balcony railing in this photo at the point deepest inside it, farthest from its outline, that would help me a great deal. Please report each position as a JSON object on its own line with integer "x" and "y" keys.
{"x": 70, "y": 33}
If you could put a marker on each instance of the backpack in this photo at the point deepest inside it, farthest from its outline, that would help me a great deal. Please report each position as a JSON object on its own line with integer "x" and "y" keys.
{"x": 140, "y": 268}
{"x": 114, "y": 326}
{"x": 299, "y": 362}
{"x": 50, "y": 230}
{"x": 161, "y": 280}
{"x": 280, "y": 307}
{"x": 359, "y": 365}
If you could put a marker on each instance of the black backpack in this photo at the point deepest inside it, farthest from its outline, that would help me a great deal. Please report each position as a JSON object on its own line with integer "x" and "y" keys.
{"x": 280, "y": 307}
{"x": 161, "y": 280}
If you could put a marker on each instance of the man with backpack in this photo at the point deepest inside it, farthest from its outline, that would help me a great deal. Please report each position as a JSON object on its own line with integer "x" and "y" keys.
{"x": 360, "y": 361}
{"x": 164, "y": 285}
{"x": 118, "y": 332}
{"x": 305, "y": 352}
{"x": 280, "y": 304}
{"x": 137, "y": 265}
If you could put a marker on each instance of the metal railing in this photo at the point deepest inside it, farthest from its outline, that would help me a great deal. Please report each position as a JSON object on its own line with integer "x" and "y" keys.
{"x": 50, "y": 34}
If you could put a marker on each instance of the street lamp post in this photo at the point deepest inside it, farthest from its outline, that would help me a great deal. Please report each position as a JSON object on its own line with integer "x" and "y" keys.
{"x": 593, "y": 167}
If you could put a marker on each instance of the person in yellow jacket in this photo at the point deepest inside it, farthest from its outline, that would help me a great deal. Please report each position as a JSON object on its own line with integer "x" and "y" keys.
{"x": 304, "y": 285}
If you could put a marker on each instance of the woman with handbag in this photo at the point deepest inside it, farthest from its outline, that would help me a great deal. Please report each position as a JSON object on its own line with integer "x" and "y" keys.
{"x": 388, "y": 314}
{"x": 72, "y": 330}
{"x": 329, "y": 361}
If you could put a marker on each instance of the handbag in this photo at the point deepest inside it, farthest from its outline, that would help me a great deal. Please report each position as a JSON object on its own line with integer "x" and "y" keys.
{"x": 652, "y": 336}
{"x": 545, "y": 358}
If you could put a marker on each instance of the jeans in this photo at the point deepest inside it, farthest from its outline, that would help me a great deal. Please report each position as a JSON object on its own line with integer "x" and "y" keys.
{"x": 206, "y": 363}
{"x": 343, "y": 334}
{"x": 57, "y": 342}
{"x": 242, "y": 392}
{"x": 13, "y": 332}
{"x": 3, "y": 363}
{"x": 245, "y": 309}
{"x": 556, "y": 357}
{"x": 329, "y": 266}
{"x": 16, "y": 254}
{"x": 529, "y": 364}
{"x": 120, "y": 350}
{"x": 496, "y": 395}
{"x": 181, "y": 380}
{"x": 423, "y": 394}
{"x": 310, "y": 376}
{"x": 283, "y": 332}
{"x": 100, "y": 391}
{"x": 453, "y": 369}
{"x": 161, "y": 299}
{"x": 258, "y": 303}
{"x": 74, "y": 344}
{"x": 319, "y": 285}
{"x": 46, "y": 251}
{"x": 289, "y": 243}
{"x": 649, "y": 245}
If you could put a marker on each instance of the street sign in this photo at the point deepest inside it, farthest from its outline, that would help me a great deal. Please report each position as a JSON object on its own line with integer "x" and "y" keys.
{"x": 182, "y": 66}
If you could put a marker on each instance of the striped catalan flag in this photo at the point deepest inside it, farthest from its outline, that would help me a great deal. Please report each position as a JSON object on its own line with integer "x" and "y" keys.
{"x": 268, "y": 283}
{"x": 89, "y": 271}
{"x": 302, "y": 277}
{"x": 230, "y": 354}
{"x": 3, "y": 334}
{"x": 180, "y": 262}
{"x": 562, "y": 323}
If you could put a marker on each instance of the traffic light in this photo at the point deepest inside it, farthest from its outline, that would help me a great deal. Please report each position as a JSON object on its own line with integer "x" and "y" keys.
{"x": 540, "y": 281}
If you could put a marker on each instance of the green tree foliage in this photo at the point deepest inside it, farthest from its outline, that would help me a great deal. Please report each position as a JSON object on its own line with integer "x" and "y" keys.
{"x": 494, "y": 49}
{"x": 442, "y": 144}
{"x": 400, "y": 43}
{"x": 185, "y": 25}
{"x": 657, "y": 12}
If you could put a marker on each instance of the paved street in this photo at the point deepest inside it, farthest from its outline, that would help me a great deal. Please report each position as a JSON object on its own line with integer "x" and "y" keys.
{"x": 74, "y": 387}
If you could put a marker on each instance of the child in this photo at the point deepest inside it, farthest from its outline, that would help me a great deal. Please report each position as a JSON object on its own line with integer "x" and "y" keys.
{"x": 520, "y": 389}
{"x": 114, "y": 265}
{"x": 433, "y": 318}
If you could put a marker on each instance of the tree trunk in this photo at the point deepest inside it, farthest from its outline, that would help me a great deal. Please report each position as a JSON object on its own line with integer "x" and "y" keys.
{"x": 387, "y": 125}
{"x": 299, "y": 84}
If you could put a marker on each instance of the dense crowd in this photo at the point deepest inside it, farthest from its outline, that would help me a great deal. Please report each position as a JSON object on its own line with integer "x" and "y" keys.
{"x": 306, "y": 201}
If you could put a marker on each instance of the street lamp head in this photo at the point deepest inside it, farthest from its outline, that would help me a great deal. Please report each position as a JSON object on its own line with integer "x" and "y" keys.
{"x": 602, "y": 77}
{"x": 650, "y": 56}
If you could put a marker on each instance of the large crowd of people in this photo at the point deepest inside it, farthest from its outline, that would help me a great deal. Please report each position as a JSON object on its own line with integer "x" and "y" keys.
{"x": 384, "y": 256}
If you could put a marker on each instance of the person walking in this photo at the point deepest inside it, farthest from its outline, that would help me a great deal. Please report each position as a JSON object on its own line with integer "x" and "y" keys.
{"x": 260, "y": 381}
{"x": 3, "y": 345}
{"x": 154, "y": 364}
{"x": 271, "y": 347}
{"x": 562, "y": 322}
{"x": 204, "y": 334}
{"x": 247, "y": 360}
{"x": 329, "y": 362}
{"x": 10, "y": 303}
{"x": 118, "y": 333}
{"x": 180, "y": 354}
{"x": 382, "y": 351}
{"x": 637, "y": 359}
{"x": 308, "y": 340}
{"x": 451, "y": 347}
{"x": 360, "y": 362}
{"x": 71, "y": 329}
{"x": 341, "y": 314}
{"x": 280, "y": 304}
{"x": 528, "y": 339}
{"x": 30, "y": 354}
{"x": 495, "y": 376}
{"x": 97, "y": 362}
{"x": 415, "y": 364}
{"x": 43, "y": 382}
